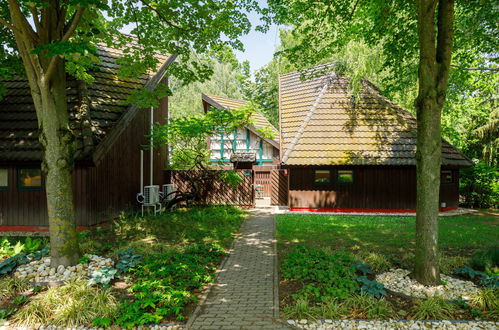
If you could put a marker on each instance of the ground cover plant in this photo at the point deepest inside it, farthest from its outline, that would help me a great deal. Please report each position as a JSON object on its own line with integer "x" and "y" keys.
{"x": 320, "y": 254}
{"x": 161, "y": 265}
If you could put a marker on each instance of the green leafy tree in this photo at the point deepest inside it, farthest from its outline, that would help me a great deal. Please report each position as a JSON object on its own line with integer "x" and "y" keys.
{"x": 228, "y": 80}
{"x": 416, "y": 39}
{"x": 53, "y": 38}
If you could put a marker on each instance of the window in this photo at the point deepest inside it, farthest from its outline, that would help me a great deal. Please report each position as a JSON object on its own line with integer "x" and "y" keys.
{"x": 322, "y": 177}
{"x": 29, "y": 178}
{"x": 446, "y": 176}
{"x": 345, "y": 177}
{"x": 4, "y": 178}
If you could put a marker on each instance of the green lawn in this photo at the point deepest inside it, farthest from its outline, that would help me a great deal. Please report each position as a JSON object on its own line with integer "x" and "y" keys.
{"x": 459, "y": 235}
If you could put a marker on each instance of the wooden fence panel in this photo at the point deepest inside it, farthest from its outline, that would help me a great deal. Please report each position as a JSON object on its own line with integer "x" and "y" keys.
{"x": 215, "y": 191}
{"x": 279, "y": 195}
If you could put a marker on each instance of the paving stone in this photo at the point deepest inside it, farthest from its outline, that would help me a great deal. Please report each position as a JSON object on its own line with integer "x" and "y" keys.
{"x": 243, "y": 296}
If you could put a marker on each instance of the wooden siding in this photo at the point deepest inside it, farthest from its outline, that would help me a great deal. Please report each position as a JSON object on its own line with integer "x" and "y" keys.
{"x": 217, "y": 192}
{"x": 101, "y": 191}
{"x": 279, "y": 194}
{"x": 373, "y": 187}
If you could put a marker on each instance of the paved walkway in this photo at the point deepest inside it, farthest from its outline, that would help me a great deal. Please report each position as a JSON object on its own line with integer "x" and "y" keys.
{"x": 245, "y": 295}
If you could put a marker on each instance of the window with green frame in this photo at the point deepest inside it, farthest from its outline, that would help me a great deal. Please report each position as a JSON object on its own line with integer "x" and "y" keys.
{"x": 29, "y": 178}
{"x": 4, "y": 178}
{"x": 345, "y": 177}
{"x": 322, "y": 177}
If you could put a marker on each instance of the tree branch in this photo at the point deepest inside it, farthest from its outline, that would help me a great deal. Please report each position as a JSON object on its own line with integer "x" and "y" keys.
{"x": 15, "y": 10}
{"x": 74, "y": 24}
{"x": 474, "y": 68}
{"x": 163, "y": 18}
{"x": 445, "y": 25}
{"x": 36, "y": 19}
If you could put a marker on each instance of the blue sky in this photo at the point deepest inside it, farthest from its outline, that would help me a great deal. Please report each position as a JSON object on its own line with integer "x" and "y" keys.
{"x": 259, "y": 47}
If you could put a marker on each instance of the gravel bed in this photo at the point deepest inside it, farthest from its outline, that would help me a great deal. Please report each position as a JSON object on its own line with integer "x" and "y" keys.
{"x": 392, "y": 324}
{"x": 39, "y": 271}
{"x": 398, "y": 281}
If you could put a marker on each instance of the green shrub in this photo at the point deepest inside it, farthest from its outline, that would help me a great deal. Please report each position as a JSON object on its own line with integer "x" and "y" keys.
{"x": 378, "y": 262}
{"x": 483, "y": 259}
{"x": 328, "y": 275}
{"x": 70, "y": 305}
{"x": 164, "y": 284}
{"x": 486, "y": 299}
{"x": 479, "y": 185}
{"x": 449, "y": 263}
{"x": 362, "y": 306}
{"x": 11, "y": 286}
{"x": 433, "y": 308}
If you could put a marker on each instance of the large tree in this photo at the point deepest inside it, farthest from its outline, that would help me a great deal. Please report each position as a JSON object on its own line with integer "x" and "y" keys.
{"x": 416, "y": 38}
{"x": 56, "y": 37}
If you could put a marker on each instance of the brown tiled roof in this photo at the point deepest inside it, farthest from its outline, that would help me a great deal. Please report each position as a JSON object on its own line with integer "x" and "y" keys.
{"x": 370, "y": 130}
{"x": 259, "y": 120}
{"x": 18, "y": 122}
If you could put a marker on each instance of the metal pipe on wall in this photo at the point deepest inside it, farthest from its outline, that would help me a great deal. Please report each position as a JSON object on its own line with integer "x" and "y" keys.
{"x": 151, "y": 145}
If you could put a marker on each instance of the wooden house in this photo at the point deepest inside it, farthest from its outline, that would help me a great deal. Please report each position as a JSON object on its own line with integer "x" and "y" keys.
{"x": 352, "y": 153}
{"x": 110, "y": 136}
{"x": 246, "y": 145}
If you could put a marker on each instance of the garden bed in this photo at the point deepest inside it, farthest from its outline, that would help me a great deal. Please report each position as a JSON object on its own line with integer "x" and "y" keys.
{"x": 160, "y": 266}
{"x": 330, "y": 264}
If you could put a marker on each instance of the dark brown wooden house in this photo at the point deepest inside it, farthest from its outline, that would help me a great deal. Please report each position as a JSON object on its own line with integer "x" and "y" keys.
{"x": 110, "y": 136}
{"x": 347, "y": 153}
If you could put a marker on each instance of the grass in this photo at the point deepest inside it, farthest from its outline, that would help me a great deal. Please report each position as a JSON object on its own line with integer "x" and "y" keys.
{"x": 69, "y": 305}
{"x": 389, "y": 235}
{"x": 384, "y": 242}
{"x": 166, "y": 232}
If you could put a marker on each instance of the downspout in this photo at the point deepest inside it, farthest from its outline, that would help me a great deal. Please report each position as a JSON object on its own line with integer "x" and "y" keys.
{"x": 301, "y": 129}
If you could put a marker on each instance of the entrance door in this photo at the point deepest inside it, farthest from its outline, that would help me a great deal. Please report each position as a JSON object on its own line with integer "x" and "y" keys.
{"x": 262, "y": 184}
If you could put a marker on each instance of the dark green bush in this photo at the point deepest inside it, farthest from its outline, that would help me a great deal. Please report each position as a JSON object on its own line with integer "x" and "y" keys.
{"x": 479, "y": 186}
{"x": 164, "y": 284}
{"x": 325, "y": 276}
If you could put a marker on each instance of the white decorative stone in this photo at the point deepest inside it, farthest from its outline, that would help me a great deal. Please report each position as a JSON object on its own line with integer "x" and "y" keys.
{"x": 451, "y": 288}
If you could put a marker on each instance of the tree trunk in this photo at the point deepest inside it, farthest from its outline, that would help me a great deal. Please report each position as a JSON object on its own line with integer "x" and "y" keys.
{"x": 433, "y": 73}
{"x": 58, "y": 142}
{"x": 47, "y": 81}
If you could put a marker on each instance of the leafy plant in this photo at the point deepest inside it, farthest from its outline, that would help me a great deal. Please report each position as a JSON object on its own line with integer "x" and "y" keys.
{"x": 468, "y": 272}
{"x": 37, "y": 255}
{"x": 68, "y": 306}
{"x": 102, "y": 322}
{"x": 8, "y": 265}
{"x": 103, "y": 276}
{"x": 20, "y": 300}
{"x": 362, "y": 306}
{"x": 5, "y": 313}
{"x": 300, "y": 310}
{"x": 38, "y": 288}
{"x": 32, "y": 245}
{"x": 84, "y": 260}
{"x": 371, "y": 288}
{"x": 378, "y": 262}
{"x": 10, "y": 286}
{"x": 433, "y": 308}
{"x": 328, "y": 275}
{"x": 164, "y": 284}
{"x": 486, "y": 299}
{"x": 128, "y": 260}
{"x": 362, "y": 267}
